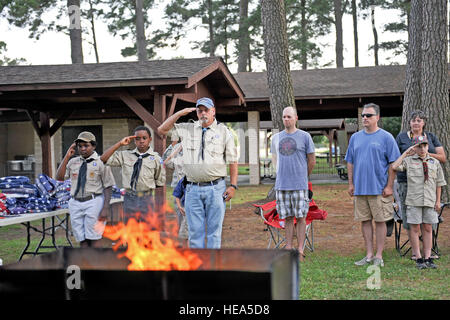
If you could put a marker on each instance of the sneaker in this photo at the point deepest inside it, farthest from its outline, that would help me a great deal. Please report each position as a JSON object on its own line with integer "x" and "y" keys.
{"x": 378, "y": 262}
{"x": 420, "y": 264}
{"x": 363, "y": 261}
{"x": 430, "y": 264}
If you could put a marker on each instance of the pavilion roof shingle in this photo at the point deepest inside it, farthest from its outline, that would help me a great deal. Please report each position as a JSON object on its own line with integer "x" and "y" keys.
{"x": 322, "y": 83}
{"x": 94, "y": 72}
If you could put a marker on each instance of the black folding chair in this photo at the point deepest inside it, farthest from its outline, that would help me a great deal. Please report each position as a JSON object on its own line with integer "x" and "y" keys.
{"x": 402, "y": 248}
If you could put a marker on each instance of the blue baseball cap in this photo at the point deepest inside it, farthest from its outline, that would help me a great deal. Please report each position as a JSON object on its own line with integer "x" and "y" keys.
{"x": 206, "y": 102}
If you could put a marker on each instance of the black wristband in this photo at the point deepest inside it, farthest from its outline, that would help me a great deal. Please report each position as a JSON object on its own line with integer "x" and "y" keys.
{"x": 234, "y": 186}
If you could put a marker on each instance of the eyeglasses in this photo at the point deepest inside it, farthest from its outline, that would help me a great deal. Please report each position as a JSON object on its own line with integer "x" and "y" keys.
{"x": 367, "y": 115}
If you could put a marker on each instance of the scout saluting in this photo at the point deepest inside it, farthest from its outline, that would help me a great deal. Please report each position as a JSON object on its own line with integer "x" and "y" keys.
{"x": 142, "y": 171}
{"x": 91, "y": 185}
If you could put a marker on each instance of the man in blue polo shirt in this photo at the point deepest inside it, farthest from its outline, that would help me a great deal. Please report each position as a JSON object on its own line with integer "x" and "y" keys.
{"x": 370, "y": 178}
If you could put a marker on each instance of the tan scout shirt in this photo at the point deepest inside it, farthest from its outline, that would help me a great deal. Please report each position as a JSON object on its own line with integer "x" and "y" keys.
{"x": 219, "y": 150}
{"x": 98, "y": 176}
{"x": 176, "y": 164}
{"x": 422, "y": 193}
{"x": 152, "y": 173}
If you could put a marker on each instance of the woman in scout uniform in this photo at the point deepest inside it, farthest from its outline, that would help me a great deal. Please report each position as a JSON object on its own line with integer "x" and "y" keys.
{"x": 142, "y": 171}
{"x": 91, "y": 185}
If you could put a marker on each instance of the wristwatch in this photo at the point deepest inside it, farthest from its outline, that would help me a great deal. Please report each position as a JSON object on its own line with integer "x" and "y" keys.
{"x": 234, "y": 186}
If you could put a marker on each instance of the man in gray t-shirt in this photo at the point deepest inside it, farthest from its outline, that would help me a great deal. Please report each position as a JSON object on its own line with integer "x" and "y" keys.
{"x": 294, "y": 159}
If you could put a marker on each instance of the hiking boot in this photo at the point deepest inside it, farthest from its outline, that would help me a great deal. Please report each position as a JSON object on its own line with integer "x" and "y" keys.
{"x": 363, "y": 261}
{"x": 378, "y": 262}
{"x": 420, "y": 264}
{"x": 430, "y": 264}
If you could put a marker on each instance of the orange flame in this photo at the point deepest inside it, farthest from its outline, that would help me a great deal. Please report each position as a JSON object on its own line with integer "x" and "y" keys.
{"x": 146, "y": 249}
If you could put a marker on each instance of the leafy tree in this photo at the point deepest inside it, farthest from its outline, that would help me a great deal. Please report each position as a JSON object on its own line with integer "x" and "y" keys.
{"x": 307, "y": 20}
{"x": 397, "y": 47}
{"x": 29, "y": 14}
{"x": 121, "y": 20}
{"x": 219, "y": 17}
{"x": 392, "y": 125}
{"x": 6, "y": 61}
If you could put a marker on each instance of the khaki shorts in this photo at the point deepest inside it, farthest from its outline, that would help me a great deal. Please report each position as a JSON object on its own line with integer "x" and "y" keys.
{"x": 419, "y": 215}
{"x": 377, "y": 207}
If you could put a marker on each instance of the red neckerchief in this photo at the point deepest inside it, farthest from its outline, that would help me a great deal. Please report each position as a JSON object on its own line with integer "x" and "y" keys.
{"x": 425, "y": 168}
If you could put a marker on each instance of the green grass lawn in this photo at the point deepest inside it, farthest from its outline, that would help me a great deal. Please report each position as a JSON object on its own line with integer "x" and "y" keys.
{"x": 329, "y": 275}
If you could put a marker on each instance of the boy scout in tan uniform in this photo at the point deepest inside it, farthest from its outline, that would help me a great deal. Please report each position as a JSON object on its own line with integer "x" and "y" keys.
{"x": 425, "y": 179}
{"x": 91, "y": 183}
{"x": 142, "y": 171}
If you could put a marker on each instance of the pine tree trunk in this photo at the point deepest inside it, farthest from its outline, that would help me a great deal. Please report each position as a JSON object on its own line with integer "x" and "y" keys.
{"x": 94, "y": 36}
{"x": 303, "y": 36}
{"x": 76, "y": 47}
{"x": 355, "y": 32}
{"x": 375, "y": 34}
{"x": 339, "y": 34}
{"x": 244, "y": 48}
{"x": 212, "y": 46}
{"x": 435, "y": 101}
{"x": 141, "y": 43}
{"x": 276, "y": 53}
{"x": 413, "y": 87}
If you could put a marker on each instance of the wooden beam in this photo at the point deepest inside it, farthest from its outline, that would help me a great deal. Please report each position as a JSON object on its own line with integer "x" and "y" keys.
{"x": 159, "y": 107}
{"x": 60, "y": 121}
{"x": 203, "y": 91}
{"x": 34, "y": 122}
{"x": 140, "y": 111}
{"x": 231, "y": 102}
{"x": 93, "y": 84}
{"x": 172, "y": 105}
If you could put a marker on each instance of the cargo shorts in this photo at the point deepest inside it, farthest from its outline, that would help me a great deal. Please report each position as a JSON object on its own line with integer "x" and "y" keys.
{"x": 419, "y": 215}
{"x": 374, "y": 207}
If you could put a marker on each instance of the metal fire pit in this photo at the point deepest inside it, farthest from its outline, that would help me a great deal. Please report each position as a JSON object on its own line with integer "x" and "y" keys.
{"x": 224, "y": 274}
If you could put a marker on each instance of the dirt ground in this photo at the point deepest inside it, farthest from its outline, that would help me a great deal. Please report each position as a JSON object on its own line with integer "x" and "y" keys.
{"x": 339, "y": 232}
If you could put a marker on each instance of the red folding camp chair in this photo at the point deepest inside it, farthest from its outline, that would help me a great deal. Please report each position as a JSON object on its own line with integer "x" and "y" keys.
{"x": 275, "y": 225}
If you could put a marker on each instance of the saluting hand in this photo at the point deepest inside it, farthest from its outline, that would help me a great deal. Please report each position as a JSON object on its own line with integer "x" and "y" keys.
{"x": 71, "y": 150}
{"x": 127, "y": 140}
{"x": 186, "y": 111}
{"x": 410, "y": 151}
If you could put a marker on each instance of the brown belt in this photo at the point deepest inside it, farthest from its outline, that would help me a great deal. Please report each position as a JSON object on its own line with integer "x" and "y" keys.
{"x": 205, "y": 184}
{"x": 88, "y": 198}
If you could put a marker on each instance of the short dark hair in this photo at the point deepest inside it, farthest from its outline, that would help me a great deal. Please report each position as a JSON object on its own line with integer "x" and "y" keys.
{"x": 374, "y": 106}
{"x": 93, "y": 143}
{"x": 417, "y": 114}
{"x": 140, "y": 128}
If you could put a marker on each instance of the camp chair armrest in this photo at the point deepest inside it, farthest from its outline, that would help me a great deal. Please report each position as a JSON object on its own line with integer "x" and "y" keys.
{"x": 443, "y": 206}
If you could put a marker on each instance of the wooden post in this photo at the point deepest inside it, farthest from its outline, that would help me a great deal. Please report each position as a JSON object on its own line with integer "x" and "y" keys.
{"x": 46, "y": 144}
{"x": 159, "y": 112}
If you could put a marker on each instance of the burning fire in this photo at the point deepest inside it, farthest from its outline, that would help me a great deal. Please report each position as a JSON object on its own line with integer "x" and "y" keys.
{"x": 146, "y": 249}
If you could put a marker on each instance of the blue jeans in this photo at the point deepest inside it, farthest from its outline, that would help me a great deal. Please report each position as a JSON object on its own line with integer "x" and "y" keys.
{"x": 205, "y": 208}
{"x": 137, "y": 206}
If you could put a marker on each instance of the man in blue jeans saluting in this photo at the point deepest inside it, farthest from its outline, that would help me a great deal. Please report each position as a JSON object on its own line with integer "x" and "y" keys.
{"x": 208, "y": 146}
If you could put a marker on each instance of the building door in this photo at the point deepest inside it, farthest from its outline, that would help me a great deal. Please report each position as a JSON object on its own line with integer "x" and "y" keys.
{"x": 69, "y": 134}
